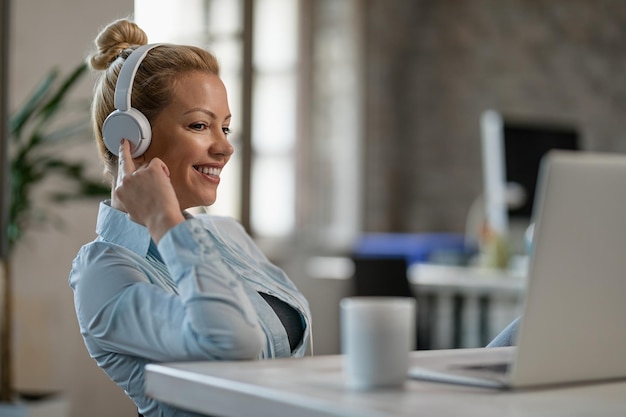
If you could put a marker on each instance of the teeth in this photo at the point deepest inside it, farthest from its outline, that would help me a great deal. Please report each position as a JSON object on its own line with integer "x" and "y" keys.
{"x": 215, "y": 172}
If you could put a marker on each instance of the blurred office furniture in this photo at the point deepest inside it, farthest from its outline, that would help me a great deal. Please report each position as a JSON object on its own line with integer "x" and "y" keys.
{"x": 415, "y": 247}
{"x": 387, "y": 277}
{"x": 381, "y": 262}
{"x": 468, "y": 305}
{"x": 458, "y": 306}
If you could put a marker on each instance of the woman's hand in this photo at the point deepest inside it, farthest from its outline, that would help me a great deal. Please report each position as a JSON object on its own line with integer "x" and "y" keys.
{"x": 146, "y": 193}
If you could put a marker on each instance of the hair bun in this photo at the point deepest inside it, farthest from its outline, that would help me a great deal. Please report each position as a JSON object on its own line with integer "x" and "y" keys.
{"x": 113, "y": 40}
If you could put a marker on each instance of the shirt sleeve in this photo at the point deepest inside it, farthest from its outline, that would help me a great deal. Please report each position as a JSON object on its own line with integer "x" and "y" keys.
{"x": 121, "y": 311}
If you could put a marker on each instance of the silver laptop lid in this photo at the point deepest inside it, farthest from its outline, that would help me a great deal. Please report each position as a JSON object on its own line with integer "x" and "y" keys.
{"x": 573, "y": 318}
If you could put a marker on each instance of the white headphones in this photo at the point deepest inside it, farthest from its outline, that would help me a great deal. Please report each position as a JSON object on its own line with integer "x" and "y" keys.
{"x": 127, "y": 122}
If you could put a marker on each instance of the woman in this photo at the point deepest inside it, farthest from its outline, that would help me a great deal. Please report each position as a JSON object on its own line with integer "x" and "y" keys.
{"x": 158, "y": 284}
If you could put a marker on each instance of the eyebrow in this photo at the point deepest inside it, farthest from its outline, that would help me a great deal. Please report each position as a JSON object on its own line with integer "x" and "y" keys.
{"x": 207, "y": 112}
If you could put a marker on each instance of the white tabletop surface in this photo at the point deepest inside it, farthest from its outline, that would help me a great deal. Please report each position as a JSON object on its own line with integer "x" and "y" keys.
{"x": 431, "y": 277}
{"x": 315, "y": 387}
{"x": 435, "y": 278}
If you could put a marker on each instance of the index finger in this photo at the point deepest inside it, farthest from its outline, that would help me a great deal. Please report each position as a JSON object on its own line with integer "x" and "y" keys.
{"x": 127, "y": 165}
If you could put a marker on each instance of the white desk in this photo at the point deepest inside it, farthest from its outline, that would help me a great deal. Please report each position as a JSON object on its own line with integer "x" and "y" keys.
{"x": 466, "y": 280}
{"x": 430, "y": 277}
{"x": 314, "y": 387}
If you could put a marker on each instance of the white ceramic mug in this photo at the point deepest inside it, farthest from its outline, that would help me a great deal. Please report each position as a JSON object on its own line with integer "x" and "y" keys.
{"x": 377, "y": 334}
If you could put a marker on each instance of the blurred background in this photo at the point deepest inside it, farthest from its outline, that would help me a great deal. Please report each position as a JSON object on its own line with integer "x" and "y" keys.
{"x": 351, "y": 118}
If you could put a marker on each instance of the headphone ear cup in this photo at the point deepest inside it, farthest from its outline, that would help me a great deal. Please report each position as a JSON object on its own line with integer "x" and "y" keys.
{"x": 130, "y": 124}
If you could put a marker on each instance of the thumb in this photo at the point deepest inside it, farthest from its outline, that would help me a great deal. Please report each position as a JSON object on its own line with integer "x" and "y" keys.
{"x": 157, "y": 163}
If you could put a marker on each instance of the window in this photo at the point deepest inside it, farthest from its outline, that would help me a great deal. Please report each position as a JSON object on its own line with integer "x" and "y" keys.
{"x": 217, "y": 26}
{"x": 295, "y": 169}
{"x": 274, "y": 63}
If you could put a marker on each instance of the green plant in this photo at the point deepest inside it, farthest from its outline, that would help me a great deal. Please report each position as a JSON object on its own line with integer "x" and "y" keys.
{"x": 33, "y": 157}
{"x": 47, "y": 118}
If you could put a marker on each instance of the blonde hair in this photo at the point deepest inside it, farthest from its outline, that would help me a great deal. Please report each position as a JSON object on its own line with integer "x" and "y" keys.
{"x": 156, "y": 76}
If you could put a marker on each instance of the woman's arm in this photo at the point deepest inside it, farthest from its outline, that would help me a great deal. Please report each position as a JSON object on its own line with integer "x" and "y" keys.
{"x": 211, "y": 318}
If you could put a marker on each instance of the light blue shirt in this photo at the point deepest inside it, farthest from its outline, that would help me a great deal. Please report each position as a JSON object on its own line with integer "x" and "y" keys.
{"x": 194, "y": 296}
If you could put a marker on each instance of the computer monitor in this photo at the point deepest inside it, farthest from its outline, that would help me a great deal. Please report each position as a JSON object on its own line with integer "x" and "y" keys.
{"x": 512, "y": 151}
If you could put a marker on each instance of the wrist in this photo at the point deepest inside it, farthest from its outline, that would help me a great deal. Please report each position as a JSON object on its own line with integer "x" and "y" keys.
{"x": 161, "y": 224}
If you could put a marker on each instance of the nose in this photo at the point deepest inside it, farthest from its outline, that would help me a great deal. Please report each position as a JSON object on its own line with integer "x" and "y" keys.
{"x": 222, "y": 146}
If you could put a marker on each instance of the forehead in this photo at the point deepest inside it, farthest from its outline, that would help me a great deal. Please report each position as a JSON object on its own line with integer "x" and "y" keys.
{"x": 198, "y": 89}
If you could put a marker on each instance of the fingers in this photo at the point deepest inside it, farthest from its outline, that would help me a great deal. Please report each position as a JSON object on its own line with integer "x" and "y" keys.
{"x": 126, "y": 163}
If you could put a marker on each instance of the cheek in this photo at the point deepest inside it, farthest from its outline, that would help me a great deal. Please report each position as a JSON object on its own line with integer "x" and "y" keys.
{"x": 180, "y": 173}
{"x": 174, "y": 158}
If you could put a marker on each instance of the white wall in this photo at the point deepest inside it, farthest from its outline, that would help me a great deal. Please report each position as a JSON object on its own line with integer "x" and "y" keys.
{"x": 49, "y": 351}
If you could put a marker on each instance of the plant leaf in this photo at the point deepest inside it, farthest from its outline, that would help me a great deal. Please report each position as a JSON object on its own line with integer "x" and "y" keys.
{"x": 50, "y": 108}
{"x": 71, "y": 130}
{"x": 21, "y": 117}
{"x": 33, "y": 160}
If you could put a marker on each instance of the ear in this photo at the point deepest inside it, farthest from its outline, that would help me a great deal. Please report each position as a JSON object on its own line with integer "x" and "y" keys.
{"x": 140, "y": 160}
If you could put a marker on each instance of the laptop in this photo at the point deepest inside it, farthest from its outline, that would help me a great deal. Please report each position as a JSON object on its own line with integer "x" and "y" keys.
{"x": 572, "y": 328}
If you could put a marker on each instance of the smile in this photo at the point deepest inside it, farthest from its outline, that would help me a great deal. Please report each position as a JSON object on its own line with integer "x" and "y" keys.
{"x": 211, "y": 171}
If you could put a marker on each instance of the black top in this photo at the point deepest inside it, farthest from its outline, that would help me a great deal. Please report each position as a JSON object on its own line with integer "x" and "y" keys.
{"x": 289, "y": 317}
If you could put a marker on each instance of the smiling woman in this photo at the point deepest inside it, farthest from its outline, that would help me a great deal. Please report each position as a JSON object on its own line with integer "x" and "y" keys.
{"x": 158, "y": 284}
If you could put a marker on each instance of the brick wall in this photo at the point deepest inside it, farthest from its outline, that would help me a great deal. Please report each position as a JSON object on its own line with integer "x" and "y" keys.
{"x": 433, "y": 66}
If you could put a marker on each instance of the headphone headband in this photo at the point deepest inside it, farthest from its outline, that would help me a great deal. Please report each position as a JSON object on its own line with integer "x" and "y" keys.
{"x": 126, "y": 77}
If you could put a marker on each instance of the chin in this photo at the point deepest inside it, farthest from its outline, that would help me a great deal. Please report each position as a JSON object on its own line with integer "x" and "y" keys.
{"x": 207, "y": 202}
{"x": 199, "y": 200}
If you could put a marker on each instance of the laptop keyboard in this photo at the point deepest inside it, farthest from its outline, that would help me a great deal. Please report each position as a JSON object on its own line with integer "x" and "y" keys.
{"x": 499, "y": 368}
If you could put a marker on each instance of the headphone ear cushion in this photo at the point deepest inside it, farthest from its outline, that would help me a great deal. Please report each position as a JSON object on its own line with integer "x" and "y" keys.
{"x": 129, "y": 124}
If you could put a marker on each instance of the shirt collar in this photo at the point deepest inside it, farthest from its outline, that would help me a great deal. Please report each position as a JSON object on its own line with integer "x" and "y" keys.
{"x": 115, "y": 226}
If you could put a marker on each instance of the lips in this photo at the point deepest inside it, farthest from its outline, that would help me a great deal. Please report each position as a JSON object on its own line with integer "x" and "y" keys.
{"x": 207, "y": 170}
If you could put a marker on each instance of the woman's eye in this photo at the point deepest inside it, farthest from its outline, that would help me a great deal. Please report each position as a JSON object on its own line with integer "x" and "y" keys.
{"x": 198, "y": 126}
{"x": 226, "y": 130}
